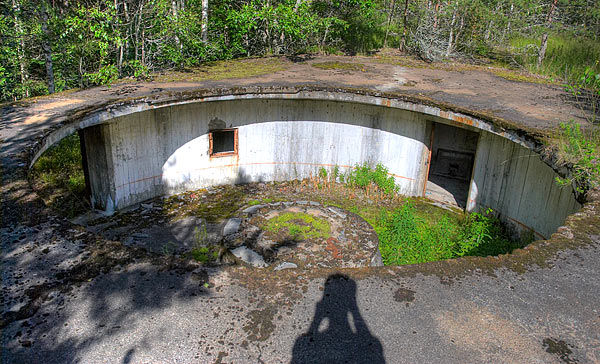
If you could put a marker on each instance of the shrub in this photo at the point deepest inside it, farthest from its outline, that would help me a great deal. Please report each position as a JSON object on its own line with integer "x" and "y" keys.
{"x": 364, "y": 176}
{"x": 579, "y": 148}
{"x": 407, "y": 236}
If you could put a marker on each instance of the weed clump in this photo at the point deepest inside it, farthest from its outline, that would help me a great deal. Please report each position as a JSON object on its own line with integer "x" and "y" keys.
{"x": 579, "y": 148}
{"x": 365, "y": 177}
{"x": 408, "y": 237}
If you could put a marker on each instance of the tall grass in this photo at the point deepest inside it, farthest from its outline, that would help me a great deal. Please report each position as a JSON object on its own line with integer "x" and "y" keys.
{"x": 567, "y": 57}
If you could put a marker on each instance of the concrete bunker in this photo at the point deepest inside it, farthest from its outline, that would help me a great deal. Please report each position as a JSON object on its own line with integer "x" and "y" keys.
{"x": 138, "y": 153}
{"x": 453, "y": 152}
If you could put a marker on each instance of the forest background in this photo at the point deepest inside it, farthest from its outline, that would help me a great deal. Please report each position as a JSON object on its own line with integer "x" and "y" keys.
{"x": 49, "y": 46}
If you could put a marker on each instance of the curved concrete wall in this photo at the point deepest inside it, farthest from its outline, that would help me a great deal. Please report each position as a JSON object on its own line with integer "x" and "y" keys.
{"x": 165, "y": 150}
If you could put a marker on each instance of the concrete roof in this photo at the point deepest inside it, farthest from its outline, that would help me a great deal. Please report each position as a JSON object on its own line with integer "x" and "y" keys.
{"x": 89, "y": 300}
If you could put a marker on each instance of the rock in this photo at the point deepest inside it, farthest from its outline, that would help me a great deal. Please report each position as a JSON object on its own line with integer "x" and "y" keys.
{"x": 232, "y": 226}
{"x": 252, "y": 209}
{"x": 302, "y": 202}
{"x": 314, "y": 203}
{"x": 377, "y": 260}
{"x": 286, "y": 265}
{"x": 249, "y": 256}
{"x": 339, "y": 213}
{"x": 147, "y": 206}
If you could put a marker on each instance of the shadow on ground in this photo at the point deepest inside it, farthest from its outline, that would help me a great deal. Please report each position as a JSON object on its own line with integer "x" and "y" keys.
{"x": 338, "y": 332}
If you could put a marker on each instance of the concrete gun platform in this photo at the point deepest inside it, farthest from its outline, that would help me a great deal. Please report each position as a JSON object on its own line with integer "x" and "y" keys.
{"x": 69, "y": 296}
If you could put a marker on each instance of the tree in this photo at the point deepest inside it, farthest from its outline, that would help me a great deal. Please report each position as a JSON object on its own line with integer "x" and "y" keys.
{"x": 544, "y": 43}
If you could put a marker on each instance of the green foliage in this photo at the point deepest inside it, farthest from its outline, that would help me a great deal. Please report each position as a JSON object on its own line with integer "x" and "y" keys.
{"x": 579, "y": 149}
{"x": 106, "y": 75}
{"x": 567, "y": 57}
{"x": 409, "y": 236}
{"x": 364, "y": 176}
{"x": 203, "y": 254}
{"x": 91, "y": 39}
{"x": 58, "y": 177}
{"x": 322, "y": 173}
{"x": 136, "y": 69}
{"x": 299, "y": 225}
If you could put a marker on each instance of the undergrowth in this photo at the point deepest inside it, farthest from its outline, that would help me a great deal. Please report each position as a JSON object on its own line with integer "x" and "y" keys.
{"x": 579, "y": 149}
{"x": 58, "y": 177}
{"x": 408, "y": 237}
{"x": 567, "y": 57}
{"x": 410, "y": 231}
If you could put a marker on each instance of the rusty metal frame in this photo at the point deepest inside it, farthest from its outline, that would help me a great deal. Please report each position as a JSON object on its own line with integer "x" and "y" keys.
{"x": 223, "y": 154}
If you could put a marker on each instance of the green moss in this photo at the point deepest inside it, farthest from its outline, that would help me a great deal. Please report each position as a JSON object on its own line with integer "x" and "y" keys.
{"x": 220, "y": 70}
{"x": 215, "y": 207}
{"x": 299, "y": 225}
{"x": 253, "y": 202}
{"x": 334, "y": 65}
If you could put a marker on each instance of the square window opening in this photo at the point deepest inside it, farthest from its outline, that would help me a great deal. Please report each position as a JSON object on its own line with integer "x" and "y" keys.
{"x": 223, "y": 142}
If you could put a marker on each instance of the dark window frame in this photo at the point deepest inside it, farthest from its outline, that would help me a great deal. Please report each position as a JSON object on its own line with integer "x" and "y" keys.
{"x": 223, "y": 154}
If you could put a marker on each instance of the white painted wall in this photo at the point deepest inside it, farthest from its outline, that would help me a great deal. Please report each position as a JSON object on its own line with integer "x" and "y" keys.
{"x": 517, "y": 184}
{"x": 166, "y": 150}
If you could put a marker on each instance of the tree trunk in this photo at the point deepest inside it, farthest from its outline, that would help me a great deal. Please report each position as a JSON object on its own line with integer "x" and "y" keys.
{"x": 174, "y": 12}
{"x": 21, "y": 47}
{"x": 450, "y": 37}
{"x": 204, "y": 28}
{"x": 46, "y": 47}
{"x": 544, "y": 44}
{"x": 404, "y": 25}
{"x": 390, "y": 16}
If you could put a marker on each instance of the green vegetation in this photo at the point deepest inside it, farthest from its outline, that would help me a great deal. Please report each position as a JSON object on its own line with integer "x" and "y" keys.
{"x": 568, "y": 57}
{"x": 413, "y": 230}
{"x": 363, "y": 176}
{"x": 203, "y": 254}
{"x": 58, "y": 177}
{"x": 344, "y": 66}
{"x": 408, "y": 236}
{"x": 52, "y": 46}
{"x": 220, "y": 70}
{"x": 298, "y": 226}
{"x": 228, "y": 200}
{"x": 579, "y": 148}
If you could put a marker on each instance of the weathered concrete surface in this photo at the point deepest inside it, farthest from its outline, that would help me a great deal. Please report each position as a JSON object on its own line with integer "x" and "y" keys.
{"x": 109, "y": 303}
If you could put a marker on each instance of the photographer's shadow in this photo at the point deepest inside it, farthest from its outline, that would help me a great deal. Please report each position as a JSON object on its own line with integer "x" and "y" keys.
{"x": 338, "y": 333}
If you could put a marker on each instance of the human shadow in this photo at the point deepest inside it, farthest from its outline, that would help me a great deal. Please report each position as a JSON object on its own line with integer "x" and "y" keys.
{"x": 338, "y": 332}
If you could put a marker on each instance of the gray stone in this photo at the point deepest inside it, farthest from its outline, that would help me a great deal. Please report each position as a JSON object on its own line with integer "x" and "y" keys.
{"x": 314, "y": 203}
{"x": 286, "y": 265}
{"x": 339, "y": 213}
{"x": 232, "y": 226}
{"x": 252, "y": 209}
{"x": 147, "y": 206}
{"x": 302, "y": 202}
{"x": 249, "y": 256}
{"x": 377, "y": 260}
